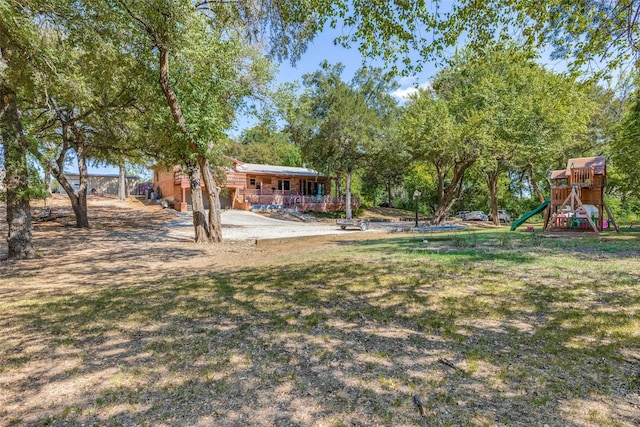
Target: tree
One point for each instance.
(83, 110)
(265, 144)
(385, 167)
(533, 115)
(511, 113)
(21, 55)
(16, 173)
(382, 29)
(336, 124)
(625, 148)
(593, 35)
(214, 70)
(388, 157)
(451, 143)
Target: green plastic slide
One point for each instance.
(523, 218)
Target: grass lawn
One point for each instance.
(484, 328)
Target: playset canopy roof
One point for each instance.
(598, 163)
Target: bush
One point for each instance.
(624, 212)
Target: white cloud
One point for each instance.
(404, 93)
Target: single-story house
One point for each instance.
(254, 186)
(104, 183)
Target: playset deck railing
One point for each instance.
(582, 176)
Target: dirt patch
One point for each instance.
(132, 239)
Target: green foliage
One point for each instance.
(212, 82)
(582, 32)
(37, 189)
(34, 190)
(625, 149)
(625, 211)
(265, 144)
(332, 123)
(536, 117)
(422, 178)
(443, 128)
(388, 159)
(341, 127)
(493, 114)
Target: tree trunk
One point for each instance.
(347, 197)
(492, 182)
(16, 180)
(389, 194)
(534, 184)
(80, 208)
(213, 227)
(47, 183)
(441, 211)
(197, 204)
(78, 203)
(448, 196)
(78, 200)
(122, 182)
(213, 197)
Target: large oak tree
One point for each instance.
(338, 125)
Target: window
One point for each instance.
(284, 185)
(252, 181)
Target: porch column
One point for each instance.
(182, 206)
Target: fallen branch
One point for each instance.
(422, 409)
(451, 365)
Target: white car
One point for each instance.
(503, 215)
(477, 216)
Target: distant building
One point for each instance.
(104, 184)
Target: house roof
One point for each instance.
(275, 170)
(559, 174)
(598, 163)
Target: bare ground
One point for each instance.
(127, 324)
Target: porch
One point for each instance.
(250, 198)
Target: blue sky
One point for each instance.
(323, 48)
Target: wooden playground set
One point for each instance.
(577, 198)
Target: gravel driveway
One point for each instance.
(245, 225)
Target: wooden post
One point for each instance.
(553, 216)
(615, 224)
(547, 217)
(577, 199)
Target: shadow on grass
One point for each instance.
(503, 245)
(337, 342)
